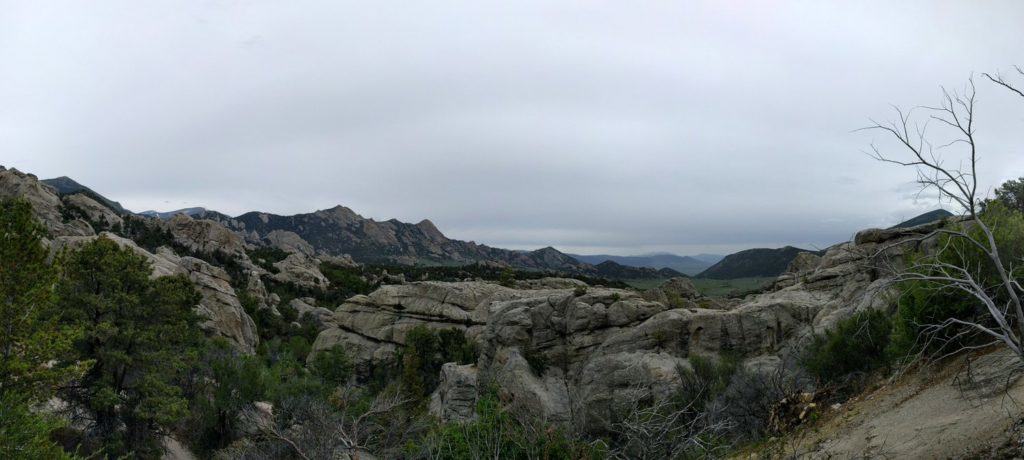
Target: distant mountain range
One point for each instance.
(340, 230)
(170, 214)
(689, 265)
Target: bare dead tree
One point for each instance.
(999, 80)
(317, 429)
(929, 153)
(374, 422)
(652, 426)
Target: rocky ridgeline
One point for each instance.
(206, 239)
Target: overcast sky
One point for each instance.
(612, 127)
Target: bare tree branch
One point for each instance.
(958, 184)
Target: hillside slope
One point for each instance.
(759, 262)
(947, 411)
(65, 185)
(925, 218)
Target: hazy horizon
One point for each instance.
(592, 127)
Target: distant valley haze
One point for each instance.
(595, 128)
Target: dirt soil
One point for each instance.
(968, 408)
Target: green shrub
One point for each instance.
(228, 383)
(425, 351)
(332, 366)
(579, 291)
(924, 305)
(920, 305)
(708, 379)
(856, 345)
(267, 256)
(497, 431)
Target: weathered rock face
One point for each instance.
(223, 314)
(93, 210)
(301, 270)
(44, 200)
(205, 236)
(455, 400)
(374, 325)
(289, 242)
(306, 306)
(676, 292)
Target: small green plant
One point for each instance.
(856, 345)
(496, 430)
(708, 379)
(332, 365)
(426, 350)
(579, 291)
(616, 297)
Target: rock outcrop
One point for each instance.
(306, 306)
(204, 236)
(301, 270)
(44, 200)
(676, 292)
(455, 400)
(93, 210)
(289, 242)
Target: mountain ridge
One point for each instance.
(756, 262)
(683, 264)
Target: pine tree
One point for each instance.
(142, 336)
(32, 342)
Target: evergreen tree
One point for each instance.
(142, 336)
(31, 337)
(32, 343)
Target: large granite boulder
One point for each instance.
(301, 270)
(455, 398)
(677, 292)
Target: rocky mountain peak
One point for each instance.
(431, 230)
(341, 215)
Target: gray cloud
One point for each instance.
(590, 126)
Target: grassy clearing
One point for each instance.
(726, 288)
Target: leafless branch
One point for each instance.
(958, 184)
